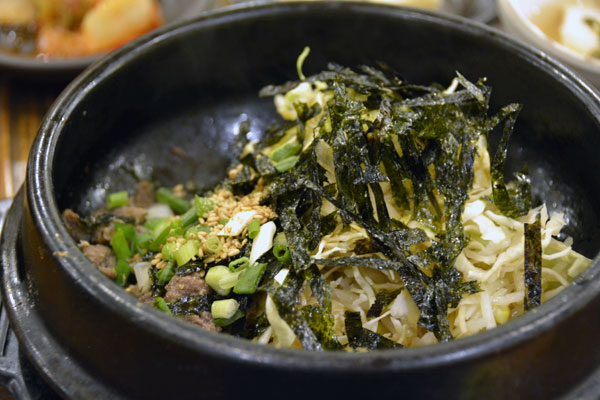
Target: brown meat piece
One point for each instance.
(73, 223)
(137, 213)
(103, 257)
(204, 320)
(144, 194)
(183, 286)
(144, 298)
(104, 233)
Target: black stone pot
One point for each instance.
(190, 86)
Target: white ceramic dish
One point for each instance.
(516, 18)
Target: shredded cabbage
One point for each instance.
(493, 256)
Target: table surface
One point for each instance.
(23, 104)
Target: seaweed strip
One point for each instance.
(359, 337)
(190, 305)
(285, 298)
(533, 264)
(321, 322)
(382, 299)
(437, 134)
(502, 197)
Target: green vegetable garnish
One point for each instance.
(116, 200)
(187, 251)
(189, 217)
(177, 204)
(224, 309)
(228, 321)
(253, 228)
(286, 164)
(221, 279)
(162, 305)
(168, 251)
(239, 264)
(141, 242)
(164, 275)
(213, 245)
(282, 254)
(285, 151)
(120, 245)
(203, 205)
(249, 279)
(123, 270)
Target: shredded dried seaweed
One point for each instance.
(533, 264)
(360, 337)
(512, 200)
(190, 305)
(382, 299)
(422, 143)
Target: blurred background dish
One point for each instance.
(44, 38)
(65, 36)
(479, 10)
(568, 30)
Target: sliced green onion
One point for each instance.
(176, 229)
(280, 240)
(286, 164)
(214, 245)
(224, 309)
(249, 279)
(116, 200)
(123, 270)
(253, 228)
(228, 321)
(161, 228)
(189, 217)
(282, 254)
(164, 230)
(151, 223)
(229, 281)
(204, 228)
(213, 279)
(141, 242)
(162, 305)
(165, 274)
(203, 205)
(187, 251)
(120, 245)
(285, 151)
(239, 264)
(160, 232)
(127, 229)
(177, 204)
(168, 251)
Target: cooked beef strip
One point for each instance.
(204, 320)
(103, 257)
(131, 212)
(189, 285)
(104, 233)
(144, 194)
(76, 228)
(143, 297)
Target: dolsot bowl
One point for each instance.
(191, 85)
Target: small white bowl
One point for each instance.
(516, 19)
